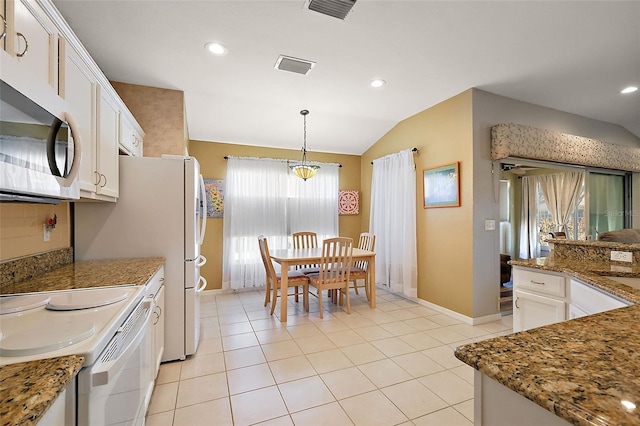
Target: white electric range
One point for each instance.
(109, 326)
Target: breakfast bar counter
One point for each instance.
(586, 370)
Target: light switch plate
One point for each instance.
(489, 225)
(622, 256)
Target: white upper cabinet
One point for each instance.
(79, 87)
(107, 145)
(130, 136)
(42, 58)
(32, 40)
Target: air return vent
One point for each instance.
(336, 8)
(299, 66)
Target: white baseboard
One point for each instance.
(454, 314)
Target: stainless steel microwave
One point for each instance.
(39, 152)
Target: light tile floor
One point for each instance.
(393, 365)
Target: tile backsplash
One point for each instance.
(21, 229)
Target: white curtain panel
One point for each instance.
(263, 198)
(562, 192)
(529, 230)
(313, 205)
(393, 221)
(255, 203)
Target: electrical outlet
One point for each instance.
(489, 225)
(47, 234)
(622, 256)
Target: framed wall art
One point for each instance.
(348, 202)
(215, 197)
(441, 186)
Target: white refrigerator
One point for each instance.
(158, 214)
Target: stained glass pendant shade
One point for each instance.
(304, 170)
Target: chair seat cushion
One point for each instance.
(294, 276)
(311, 270)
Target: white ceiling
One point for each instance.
(573, 56)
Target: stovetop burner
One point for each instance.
(13, 304)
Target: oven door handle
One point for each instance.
(100, 372)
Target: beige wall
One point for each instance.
(211, 155)
(160, 113)
(21, 232)
(442, 134)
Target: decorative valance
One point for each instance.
(515, 140)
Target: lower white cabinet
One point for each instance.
(158, 329)
(539, 298)
(533, 310)
(587, 300)
(63, 409)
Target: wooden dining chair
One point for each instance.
(335, 267)
(302, 240)
(360, 269)
(274, 281)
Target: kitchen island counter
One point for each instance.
(28, 389)
(586, 370)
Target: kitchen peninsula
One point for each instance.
(585, 371)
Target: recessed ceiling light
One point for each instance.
(216, 48)
(629, 89)
(378, 83)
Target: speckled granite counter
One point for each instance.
(581, 369)
(28, 389)
(92, 273)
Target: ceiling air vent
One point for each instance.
(336, 8)
(299, 66)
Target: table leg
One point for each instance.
(284, 288)
(372, 281)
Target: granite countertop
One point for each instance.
(580, 370)
(90, 273)
(28, 389)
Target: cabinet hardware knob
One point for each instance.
(536, 282)
(26, 45)
(105, 181)
(98, 178)
(516, 303)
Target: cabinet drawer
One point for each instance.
(538, 282)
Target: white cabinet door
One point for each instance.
(158, 327)
(33, 40)
(130, 137)
(107, 145)
(78, 87)
(591, 300)
(532, 310)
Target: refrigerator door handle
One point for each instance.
(201, 288)
(201, 261)
(203, 210)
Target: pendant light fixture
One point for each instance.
(303, 170)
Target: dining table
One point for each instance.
(288, 258)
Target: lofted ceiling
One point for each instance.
(574, 56)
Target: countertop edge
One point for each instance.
(26, 402)
(493, 356)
